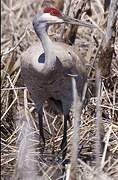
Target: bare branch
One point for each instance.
(107, 49)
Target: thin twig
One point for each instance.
(12, 49)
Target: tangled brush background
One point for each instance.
(21, 146)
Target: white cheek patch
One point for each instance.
(47, 16)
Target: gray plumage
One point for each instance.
(46, 75)
(44, 82)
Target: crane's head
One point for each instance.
(54, 16)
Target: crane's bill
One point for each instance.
(78, 22)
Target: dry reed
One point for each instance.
(16, 36)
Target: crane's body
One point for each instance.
(44, 82)
(46, 66)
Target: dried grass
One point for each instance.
(17, 36)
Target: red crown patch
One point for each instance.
(52, 11)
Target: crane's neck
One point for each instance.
(50, 57)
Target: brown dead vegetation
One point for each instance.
(17, 107)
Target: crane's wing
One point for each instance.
(72, 64)
(70, 59)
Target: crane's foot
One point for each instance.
(42, 147)
(63, 150)
(63, 147)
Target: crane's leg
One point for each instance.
(64, 140)
(41, 128)
(41, 132)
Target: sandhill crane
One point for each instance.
(46, 66)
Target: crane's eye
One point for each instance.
(52, 11)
